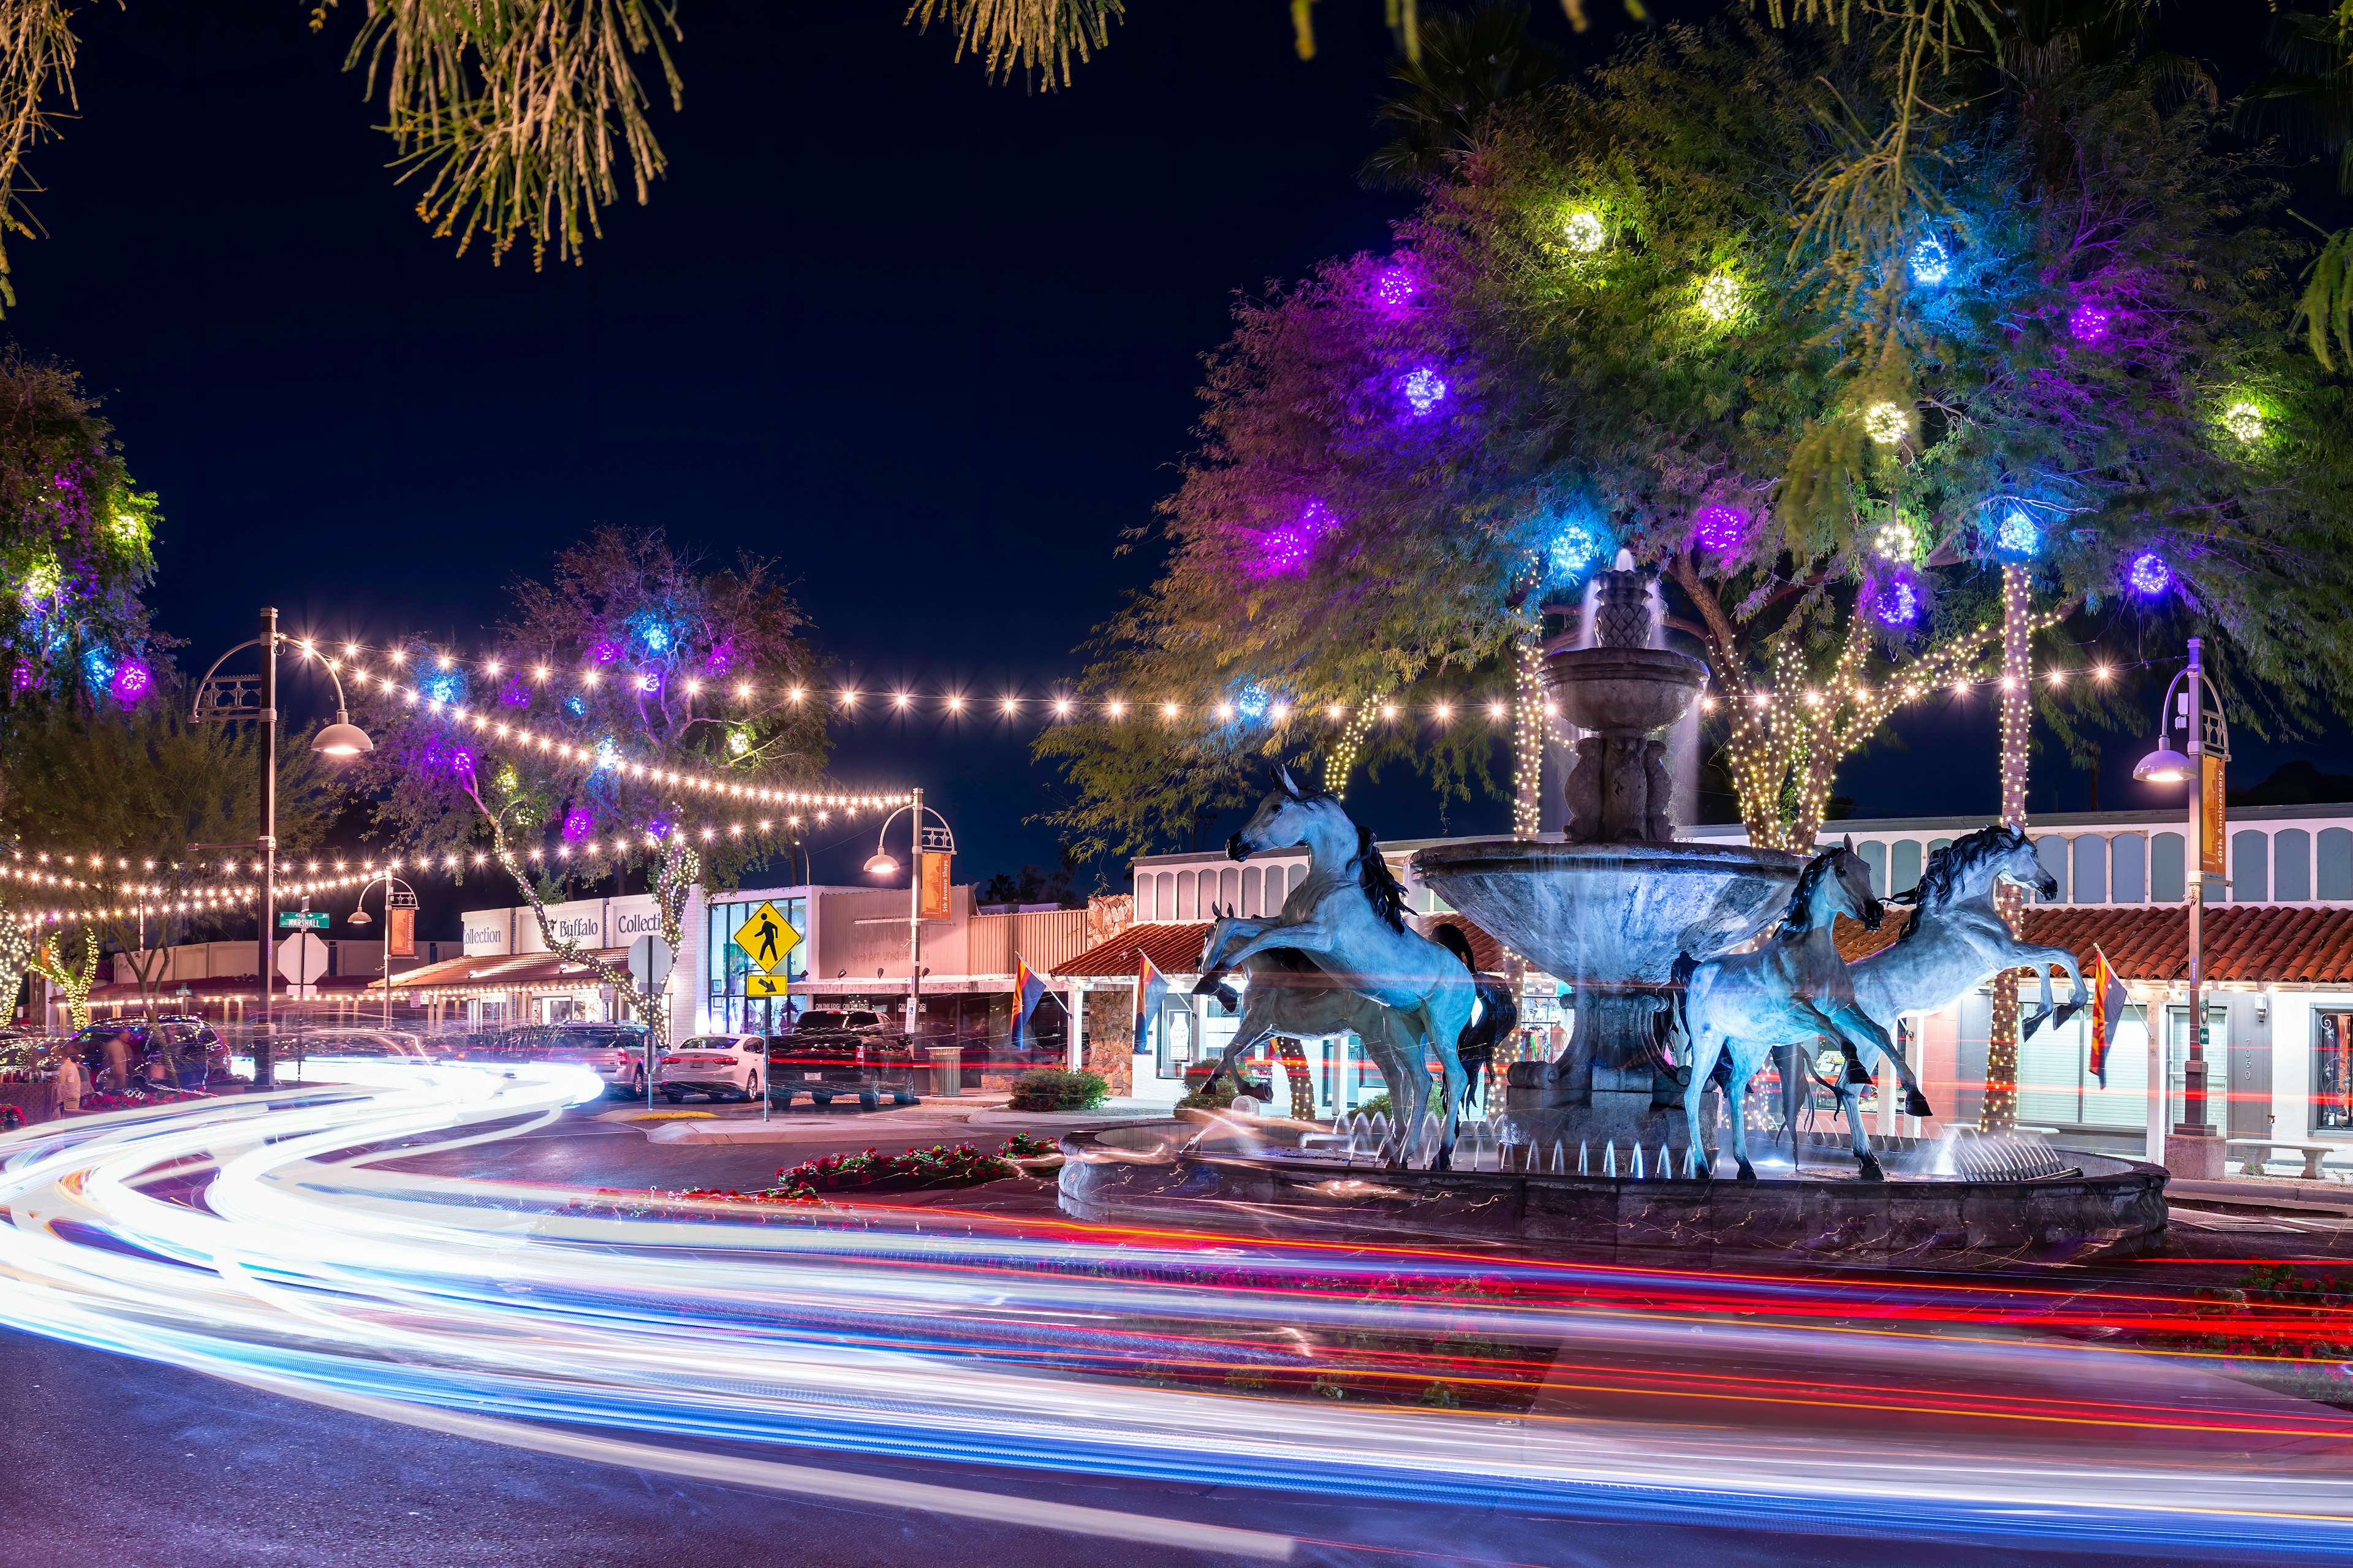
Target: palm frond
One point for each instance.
(36, 56)
(1035, 39)
(519, 114)
(2325, 310)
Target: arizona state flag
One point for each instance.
(1150, 987)
(1029, 990)
(2109, 1001)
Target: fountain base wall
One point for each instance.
(1141, 1175)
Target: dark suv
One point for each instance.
(830, 1053)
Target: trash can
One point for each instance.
(948, 1070)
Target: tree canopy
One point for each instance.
(1624, 323)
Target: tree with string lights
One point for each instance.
(627, 650)
(1610, 331)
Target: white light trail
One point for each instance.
(553, 1319)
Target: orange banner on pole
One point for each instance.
(935, 897)
(400, 931)
(2211, 803)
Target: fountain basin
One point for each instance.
(1623, 689)
(1607, 914)
(1147, 1174)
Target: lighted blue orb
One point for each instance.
(2148, 575)
(609, 753)
(99, 665)
(1932, 264)
(1574, 551)
(447, 687)
(1898, 603)
(1250, 702)
(2016, 534)
(576, 705)
(1425, 389)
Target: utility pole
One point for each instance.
(2194, 1125)
(262, 1052)
(915, 930)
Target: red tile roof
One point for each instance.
(1174, 947)
(2258, 943)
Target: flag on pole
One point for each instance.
(1029, 990)
(2109, 1000)
(1150, 987)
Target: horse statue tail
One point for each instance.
(1499, 1014)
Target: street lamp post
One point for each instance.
(2195, 1148)
(940, 840)
(359, 917)
(225, 698)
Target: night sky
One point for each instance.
(931, 342)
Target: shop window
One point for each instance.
(2332, 1072)
(2091, 867)
(1903, 865)
(2128, 863)
(2052, 852)
(2166, 883)
(1873, 853)
(2249, 867)
(2292, 866)
(2336, 869)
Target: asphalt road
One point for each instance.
(114, 1463)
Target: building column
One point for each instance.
(1074, 1047)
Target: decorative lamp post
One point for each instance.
(929, 841)
(397, 894)
(226, 699)
(2195, 1148)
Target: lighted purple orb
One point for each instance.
(606, 652)
(2089, 324)
(721, 657)
(1394, 288)
(516, 695)
(461, 762)
(578, 824)
(2148, 574)
(1897, 604)
(1283, 550)
(130, 682)
(649, 680)
(1424, 389)
(1720, 528)
(20, 678)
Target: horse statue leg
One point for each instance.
(1850, 1099)
(1705, 1048)
(1745, 1059)
(1448, 1013)
(2043, 957)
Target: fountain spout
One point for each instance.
(1622, 691)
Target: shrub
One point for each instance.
(1052, 1089)
(1379, 1105)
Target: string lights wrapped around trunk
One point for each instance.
(2018, 625)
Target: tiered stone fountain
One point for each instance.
(1607, 908)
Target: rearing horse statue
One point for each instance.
(1348, 917)
(1794, 988)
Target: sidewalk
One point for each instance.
(2277, 1192)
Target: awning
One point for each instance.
(1174, 947)
(2261, 945)
(481, 974)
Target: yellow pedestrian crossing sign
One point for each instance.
(767, 939)
(764, 986)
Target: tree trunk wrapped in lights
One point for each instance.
(2000, 1105)
(74, 983)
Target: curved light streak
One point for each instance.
(262, 1240)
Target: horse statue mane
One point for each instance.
(1795, 922)
(1386, 894)
(1947, 866)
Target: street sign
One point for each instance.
(649, 961)
(302, 920)
(301, 958)
(767, 939)
(764, 986)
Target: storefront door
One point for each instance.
(2251, 1076)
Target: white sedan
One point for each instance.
(720, 1066)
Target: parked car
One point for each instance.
(380, 1044)
(832, 1053)
(720, 1066)
(614, 1052)
(179, 1049)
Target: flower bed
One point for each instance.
(138, 1099)
(871, 1171)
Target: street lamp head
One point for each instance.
(342, 740)
(2163, 765)
(361, 917)
(882, 865)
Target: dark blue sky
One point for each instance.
(931, 342)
